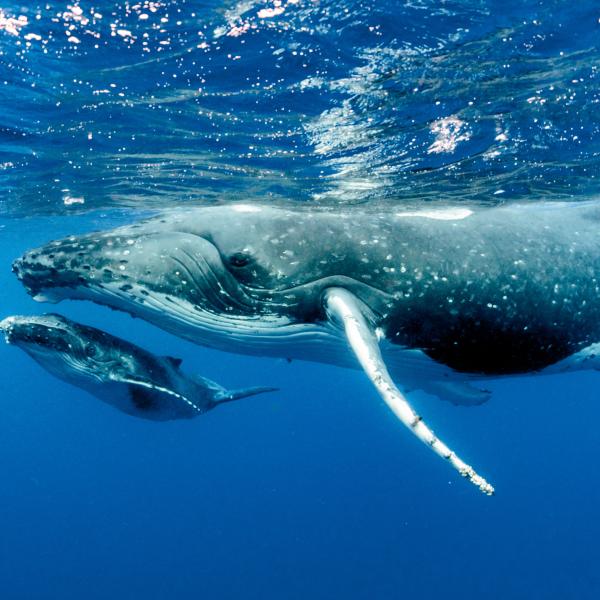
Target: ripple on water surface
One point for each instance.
(166, 102)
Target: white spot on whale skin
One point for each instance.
(246, 208)
(444, 214)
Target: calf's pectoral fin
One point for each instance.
(146, 396)
(343, 307)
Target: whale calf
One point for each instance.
(436, 299)
(121, 374)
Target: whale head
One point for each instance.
(61, 346)
(234, 271)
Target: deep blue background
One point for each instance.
(316, 491)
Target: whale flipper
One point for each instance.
(343, 307)
(147, 397)
(459, 393)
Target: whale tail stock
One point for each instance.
(220, 395)
(230, 395)
(343, 307)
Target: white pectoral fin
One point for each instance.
(144, 394)
(345, 308)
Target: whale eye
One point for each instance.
(240, 259)
(90, 350)
(247, 270)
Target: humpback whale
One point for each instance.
(435, 299)
(121, 374)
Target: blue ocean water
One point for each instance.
(112, 110)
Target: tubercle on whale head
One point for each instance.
(45, 271)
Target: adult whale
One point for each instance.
(450, 295)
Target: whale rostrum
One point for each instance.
(436, 299)
(118, 372)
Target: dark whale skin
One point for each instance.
(501, 290)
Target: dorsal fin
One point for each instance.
(173, 360)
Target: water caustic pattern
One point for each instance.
(168, 102)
